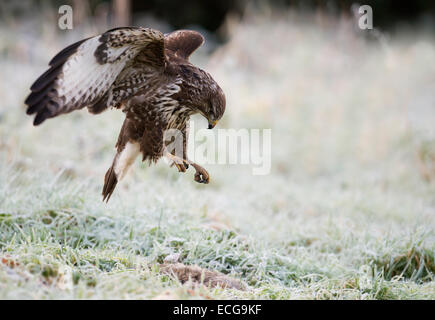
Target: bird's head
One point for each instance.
(205, 95)
(213, 107)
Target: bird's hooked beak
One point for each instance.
(212, 124)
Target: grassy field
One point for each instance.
(348, 211)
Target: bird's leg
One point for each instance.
(201, 175)
(178, 162)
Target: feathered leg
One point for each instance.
(128, 148)
(122, 162)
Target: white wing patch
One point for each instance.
(84, 73)
(83, 79)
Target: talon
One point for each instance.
(198, 177)
(181, 167)
(201, 175)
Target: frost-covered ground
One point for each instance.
(348, 211)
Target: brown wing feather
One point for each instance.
(84, 72)
(183, 42)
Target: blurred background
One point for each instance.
(341, 101)
(352, 114)
(335, 96)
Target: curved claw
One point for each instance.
(180, 166)
(201, 175)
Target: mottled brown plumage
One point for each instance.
(145, 74)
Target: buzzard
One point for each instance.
(144, 73)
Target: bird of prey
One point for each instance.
(144, 73)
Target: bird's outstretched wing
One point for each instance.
(183, 42)
(83, 73)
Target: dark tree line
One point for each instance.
(210, 14)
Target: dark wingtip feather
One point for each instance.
(65, 53)
(43, 93)
(46, 78)
(43, 89)
(41, 117)
(37, 96)
(36, 107)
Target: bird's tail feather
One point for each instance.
(110, 181)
